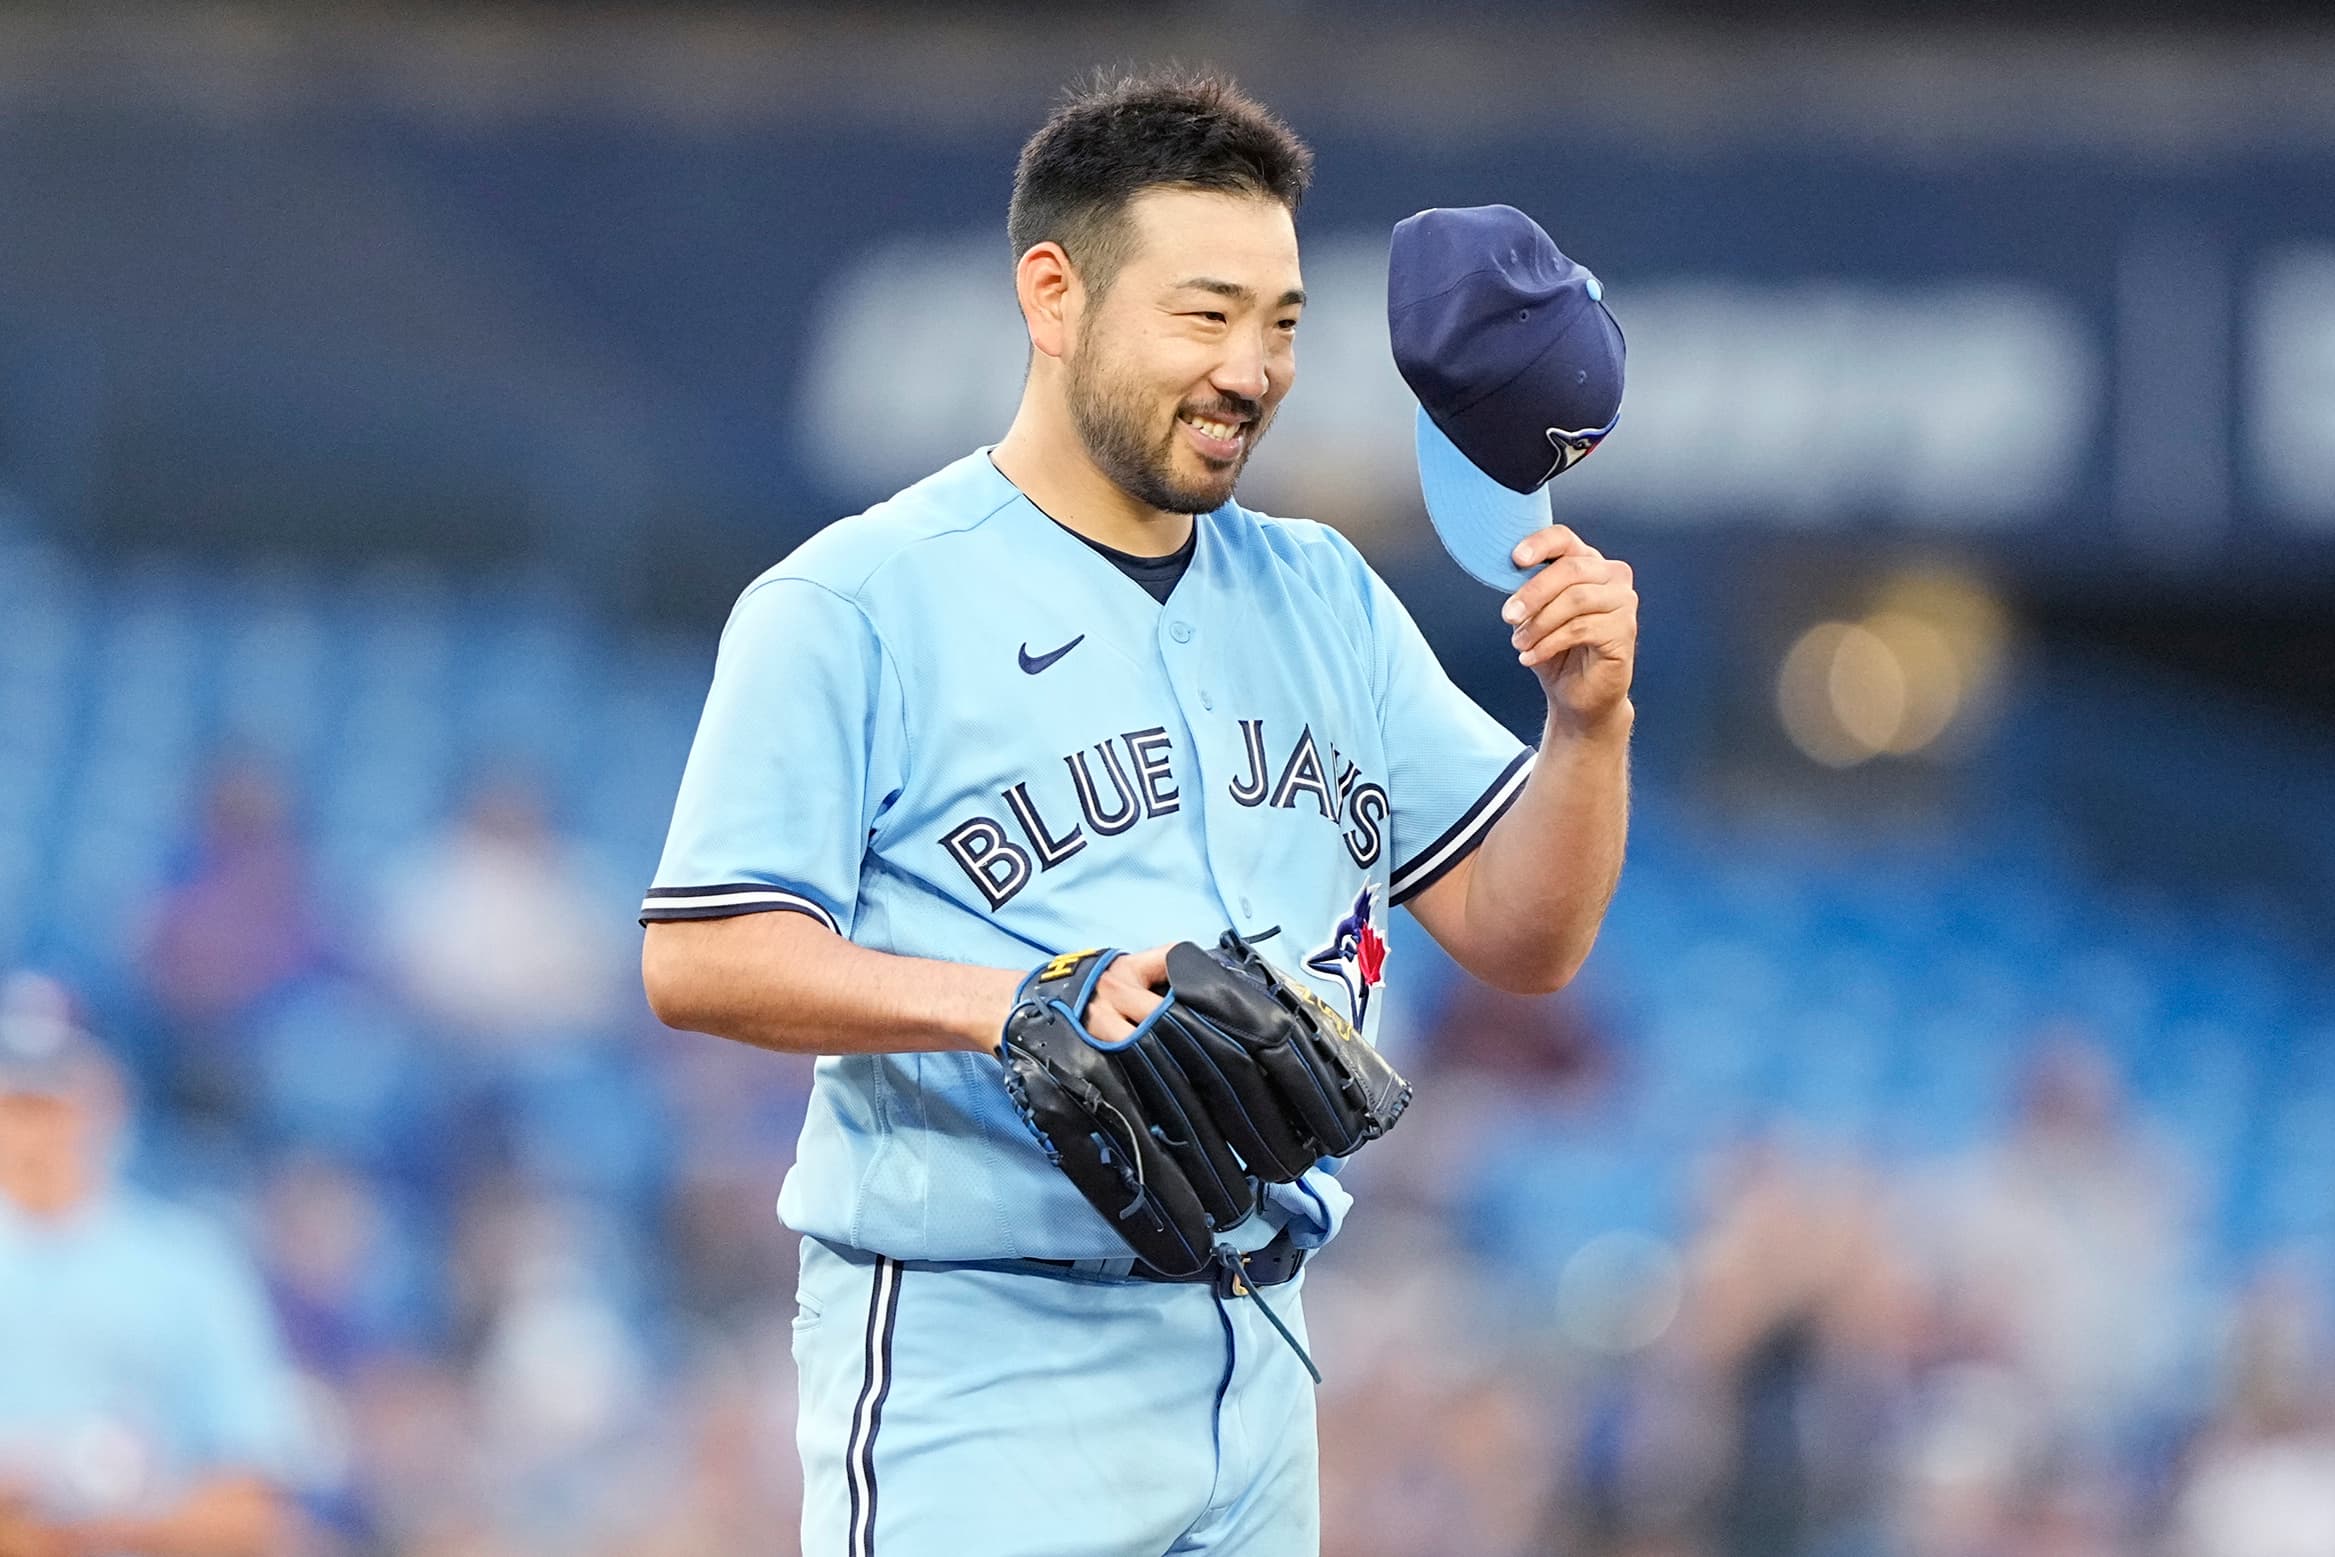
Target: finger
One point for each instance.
(1575, 600)
(1536, 591)
(1116, 1012)
(1137, 1005)
(1547, 545)
(1104, 1021)
(1579, 598)
(1147, 968)
(1611, 633)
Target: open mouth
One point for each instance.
(1216, 438)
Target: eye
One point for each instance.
(1288, 324)
(1211, 315)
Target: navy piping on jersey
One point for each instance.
(664, 904)
(1434, 862)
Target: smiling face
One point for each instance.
(1180, 363)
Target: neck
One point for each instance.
(1042, 454)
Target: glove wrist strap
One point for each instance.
(1069, 978)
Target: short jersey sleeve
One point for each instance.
(1454, 768)
(798, 754)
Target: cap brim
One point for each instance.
(1478, 520)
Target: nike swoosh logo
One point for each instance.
(1034, 664)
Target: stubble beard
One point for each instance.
(1112, 418)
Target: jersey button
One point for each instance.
(1207, 702)
(1180, 631)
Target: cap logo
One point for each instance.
(1573, 447)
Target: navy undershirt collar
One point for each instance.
(1157, 575)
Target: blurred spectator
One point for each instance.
(1973, 1453)
(1550, 1045)
(1493, 1070)
(415, 1451)
(241, 924)
(341, 1283)
(1801, 1322)
(2263, 1479)
(2063, 1248)
(1438, 1433)
(1432, 1459)
(739, 1110)
(738, 1488)
(501, 933)
(145, 1405)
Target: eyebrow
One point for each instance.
(1293, 298)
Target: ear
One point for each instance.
(1051, 296)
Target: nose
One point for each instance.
(1243, 372)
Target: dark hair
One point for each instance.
(1115, 136)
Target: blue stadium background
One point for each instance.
(1938, 1153)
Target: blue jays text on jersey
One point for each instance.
(948, 728)
(1001, 860)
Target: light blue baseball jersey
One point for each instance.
(138, 1355)
(948, 728)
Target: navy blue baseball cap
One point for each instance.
(1517, 367)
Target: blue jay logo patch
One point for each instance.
(1355, 955)
(1573, 447)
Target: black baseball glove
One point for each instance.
(1241, 1075)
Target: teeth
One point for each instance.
(1223, 430)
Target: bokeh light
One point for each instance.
(1620, 1292)
(1900, 679)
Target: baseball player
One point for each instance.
(1066, 695)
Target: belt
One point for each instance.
(1270, 1266)
(1233, 1276)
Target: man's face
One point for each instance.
(48, 1152)
(1177, 370)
